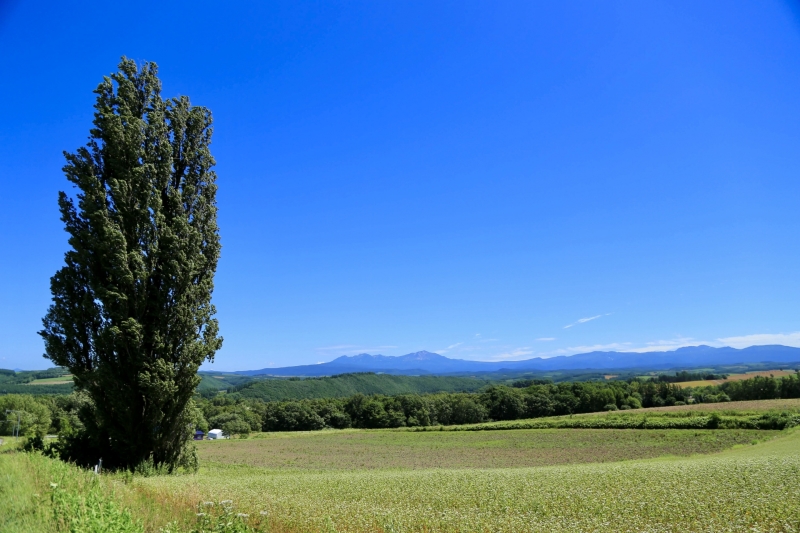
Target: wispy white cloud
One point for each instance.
(351, 349)
(445, 350)
(474, 344)
(514, 354)
(572, 350)
(336, 347)
(760, 339)
(670, 344)
(584, 320)
(667, 345)
(476, 348)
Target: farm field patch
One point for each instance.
(750, 488)
(740, 408)
(735, 377)
(52, 381)
(752, 406)
(400, 481)
(391, 449)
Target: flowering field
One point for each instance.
(749, 488)
(384, 481)
(398, 449)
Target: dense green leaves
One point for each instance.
(763, 388)
(33, 417)
(132, 317)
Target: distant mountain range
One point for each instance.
(432, 363)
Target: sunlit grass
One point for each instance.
(754, 487)
(647, 480)
(397, 449)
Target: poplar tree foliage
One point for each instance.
(131, 315)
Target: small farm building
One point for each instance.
(215, 434)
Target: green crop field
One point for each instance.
(52, 381)
(749, 488)
(382, 481)
(397, 449)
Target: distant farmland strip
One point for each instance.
(64, 380)
(735, 377)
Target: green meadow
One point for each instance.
(515, 480)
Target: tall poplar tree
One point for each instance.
(131, 316)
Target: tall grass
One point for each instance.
(39, 494)
(22, 505)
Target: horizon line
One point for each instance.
(643, 350)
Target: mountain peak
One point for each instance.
(359, 357)
(422, 356)
(424, 362)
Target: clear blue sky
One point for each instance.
(463, 177)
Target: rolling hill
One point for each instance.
(344, 385)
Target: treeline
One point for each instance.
(684, 376)
(40, 415)
(763, 388)
(496, 403)
(239, 416)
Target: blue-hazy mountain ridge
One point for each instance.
(431, 363)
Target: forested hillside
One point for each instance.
(12, 382)
(349, 384)
(270, 389)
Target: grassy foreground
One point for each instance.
(38, 494)
(431, 482)
(750, 488)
